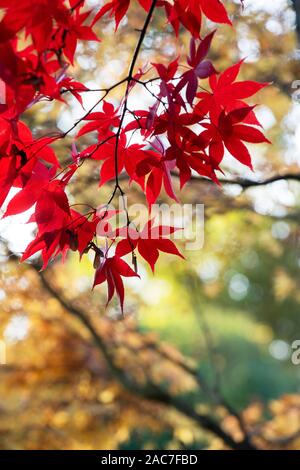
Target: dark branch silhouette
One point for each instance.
(150, 391)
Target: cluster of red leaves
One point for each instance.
(186, 129)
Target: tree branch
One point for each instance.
(129, 80)
(150, 391)
(246, 183)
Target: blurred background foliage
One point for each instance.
(232, 307)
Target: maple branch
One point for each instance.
(62, 135)
(129, 79)
(144, 84)
(141, 39)
(151, 391)
(216, 387)
(246, 183)
(106, 92)
(215, 394)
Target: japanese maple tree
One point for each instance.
(197, 113)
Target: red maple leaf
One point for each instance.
(51, 201)
(116, 8)
(70, 31)
(112, 270)
(75, 231)
(149, 242)
(228, 131)
(74, 87)
(189, 14)
(101, 121)
(200, 68)
(228, 94)
(151, 172)
(50, 244)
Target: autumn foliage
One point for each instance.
(198, 115)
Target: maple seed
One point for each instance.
(73, 241)
(134, 262)
(97, 260)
